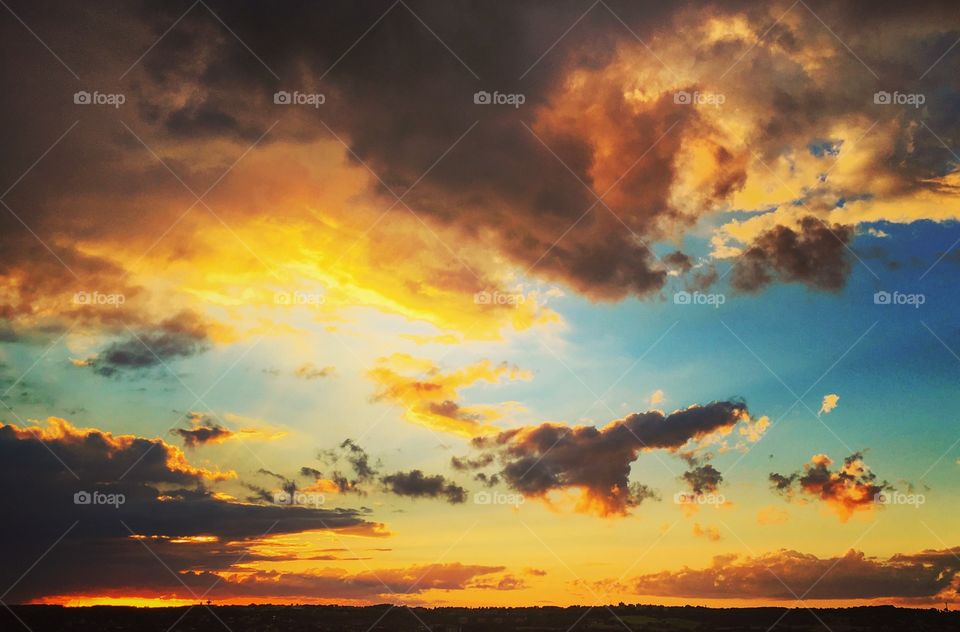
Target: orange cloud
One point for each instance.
(711, 533)
(850, 488)
(430, 396)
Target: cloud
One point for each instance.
(168, 505)
(465, 464)
(179, 337)
(850, 488)
(537, 460)
(323, 585)
(364, 470)
(430, 396)
(656, 397)
(814, 254)
(600, 114)
(309, 371)
(415, 484)
(410, 484)
(703, 479)
(391, 584)
(711, 533)
(829, 403)
(920, 578)
(204, 430)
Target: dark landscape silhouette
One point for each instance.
(384, 618)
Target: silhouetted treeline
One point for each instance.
(386, 618)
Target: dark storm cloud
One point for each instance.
(416, 484)
(538, 459)
(400, 98)
(403, 83)
(378, 91)
(165, 500)
(917, 578)
(176, 338)
(816, 255)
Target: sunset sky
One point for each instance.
(480, 303)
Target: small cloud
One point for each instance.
(204, 429)
(656, 397)
(708, 532)
(876, 232)
(309, 371)
(829, 403)
(415, 484)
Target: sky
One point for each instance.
(462, 303)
